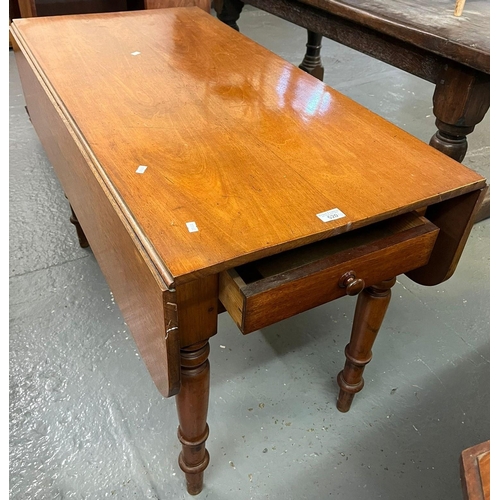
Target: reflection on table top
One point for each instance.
(242, 150)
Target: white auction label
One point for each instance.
(330, 215)
(192, 227)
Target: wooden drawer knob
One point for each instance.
(352, 284)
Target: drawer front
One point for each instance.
(276, 297)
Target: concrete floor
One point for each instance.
(86, 421)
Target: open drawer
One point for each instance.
(263, 292)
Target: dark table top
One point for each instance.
(429, 24)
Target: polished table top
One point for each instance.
(250, 156)
(183, 158)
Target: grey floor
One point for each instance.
(86, 421)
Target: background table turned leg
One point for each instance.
(228, 11)
(82, 239)
(370, 311)
(461, 100)
(312, 60)
(192, 408)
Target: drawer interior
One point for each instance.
(308, 254)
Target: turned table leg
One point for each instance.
(312, 60)
(461, 99)
(192, 409)
(370, 311)
(228, 11)
(82, 239)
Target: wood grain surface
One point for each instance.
(475, 472)
(455, 219)
(27, 8)
(167, 4)
(240, 142)
(255, 303)
(137, 287)
(429, 24)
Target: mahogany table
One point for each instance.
(423, 38)
(475, 472)
(204, 184)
